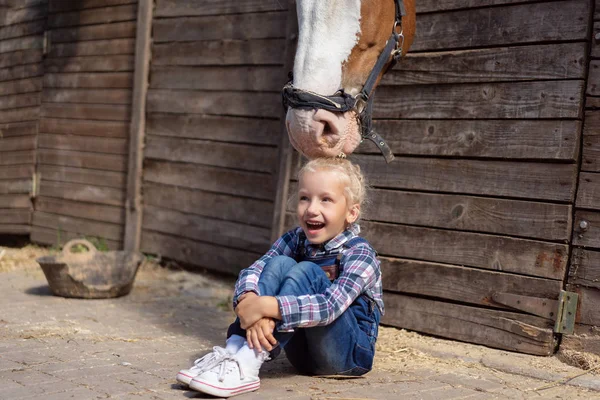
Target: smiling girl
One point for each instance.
(316, 293)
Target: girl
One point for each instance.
(316, 293)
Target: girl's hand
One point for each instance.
(260, 335)
(254, 308)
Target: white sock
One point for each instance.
(234, 343)
(251, 360)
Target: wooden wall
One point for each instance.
(84, 126)
(22, 25)
(212, 127)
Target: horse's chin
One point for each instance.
(321, 133)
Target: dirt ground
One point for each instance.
(397, 349)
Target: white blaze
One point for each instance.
(329, 29)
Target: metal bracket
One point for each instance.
(562, 311)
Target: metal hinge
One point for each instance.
(562, 311)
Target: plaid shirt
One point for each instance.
(360, 274)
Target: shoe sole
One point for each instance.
(208, 388)
(184, 379)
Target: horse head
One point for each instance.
(344, 47)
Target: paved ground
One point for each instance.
(131, 348)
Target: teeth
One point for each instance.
(315, 224)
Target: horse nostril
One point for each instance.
(327, 129)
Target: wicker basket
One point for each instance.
(91, 274)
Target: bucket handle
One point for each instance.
(72, 243)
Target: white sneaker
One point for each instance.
(186, 375)
(227, 378)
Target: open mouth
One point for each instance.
(314, 226)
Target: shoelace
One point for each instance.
(223, 368)
(210, 359)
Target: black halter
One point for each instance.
(342, 102)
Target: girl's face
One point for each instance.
(323, 211)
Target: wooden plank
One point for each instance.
(10, 16)
(228, 155)
(15, 186)
(15, 201)
(17, 172)
(24, 43)
(21, 86)
(555, 61)
(58, 6)
(90, 64)
(585, 268)
(117, 30)
(82, 96)
(250, 184)
(500, 329)
(591, 153)
(514, 139)
(104, 15)
(82, 226)
(175, 8)
(242, 130)
(82, 192)
(9, 229)
(20, 101)
(519, 100)
(81, 175)
(588, 194)
(18, 157)
(255, 78)
(496, 253)
(246, 104)
(95, 212)
(18, 143)
(219, 52)
(19, 115)
(203, 255)
(588, 311)
(457, 283)
(18, 129)
(589, 234)
(209, 230)
(445, 5)
(595, 53)
(593, 87)
(241, 26)
(21, 72)
(83, 127)
(209, 204)
(539, 181)
(89, 80)
(554, 21)
(93, 48)
(23, 29)
(106, 162)
(106, 112)
(22, 3)
(83, 143)
(15, 216)
(55, 237)
(20, 58)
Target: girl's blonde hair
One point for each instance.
(355, 183)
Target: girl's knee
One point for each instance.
(306, 270)
(279, 265)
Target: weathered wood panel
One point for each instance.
(23, 29)
(83, 143)
(246, 104)
(175, 8)
(15, 216)
(255, 78)
(228, 208)
(53, 236)
(554, 21)
(19, 101)
(16, 44)
(15, 186)
(505, 330)
(92, 96)
(81, 175)
(457, 283)
(519, 100)
(18, 157)
(586, 230)
(78, 225)
(96, 212)
(588, 311)
(15, 201)
(514, 139)
(21, 86)
(108, 112)
(250, 184)
(445, 5)
(17, 172)
(585, 268)
(83, 127)
(21, 72)
(547, 61)
(591, 142)
(220, 52)
(58, 6)
(93, 48)
(17, 143)
(588, 194)
(222, 128)
(90, 64)
(593, 87)
(10, 229)
(105, 15)
(82, 193)
(20, 58)
(204, 255)
(204, 229)
(241, 26)
(106, 80)
(10, 16)
(239, 156)
(22, 3)
(107, 162)
(117, 30)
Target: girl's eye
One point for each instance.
(303, 198)
(327, 199)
